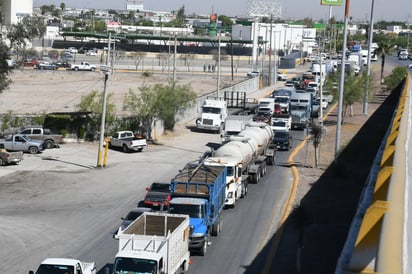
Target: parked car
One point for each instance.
(130, 217)
(62, 64)
(29, 62)
(45, 65)
(409, 66)
(72, 50)
(253, 73)
(157, 194)
(91, 53)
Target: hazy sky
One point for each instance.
(400, 10)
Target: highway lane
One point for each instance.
(249, 225)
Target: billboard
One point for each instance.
(331, 2)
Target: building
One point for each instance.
(12, 11)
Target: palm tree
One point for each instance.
(385, 45)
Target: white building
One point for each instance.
(12, 10)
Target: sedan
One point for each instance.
(130, 217)
(45, 65)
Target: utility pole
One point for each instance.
(218, 67)
(106, 71)
(270, 52)
(174, 62)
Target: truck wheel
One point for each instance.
(263, 170)
(33, 150)
(1, 162)
(203, 250)
(110, 145)
(76, 69)
(49, 144)
(244, 190)
(256, 177)
(215, 229)
(271, 160)
(125, 149)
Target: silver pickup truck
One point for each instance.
(127, 141)
(18, 142)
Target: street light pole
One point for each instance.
(342, 79)
(368, 62)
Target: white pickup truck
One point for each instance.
(127, 141)
(83, 66)
(62, 265)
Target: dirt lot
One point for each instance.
(61, 90)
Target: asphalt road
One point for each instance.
(59, 205)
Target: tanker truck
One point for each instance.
(246, 157)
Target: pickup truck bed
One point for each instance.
(7, 157)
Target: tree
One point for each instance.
(188, 59)
(316, 131)
(173, 100)
(143, 106)
(385, 43)
(4, 68)
(308, 22)
(226, 21)
(396, 77)
(24, 31)
(354, 90)
(93, 102)
(159, 102)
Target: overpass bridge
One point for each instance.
(379, 239)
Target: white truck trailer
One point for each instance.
(155, 242)
(246, 157)
(214, 113)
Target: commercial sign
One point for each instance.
(331, 2)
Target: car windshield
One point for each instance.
(281, 134)
(194, 211)
(55, 269)
(211, 110)
(160, 187)
(133, 266)
(132, 215)
(281, 100)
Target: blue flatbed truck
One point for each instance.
(199, 191)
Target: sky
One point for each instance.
(397, 10)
